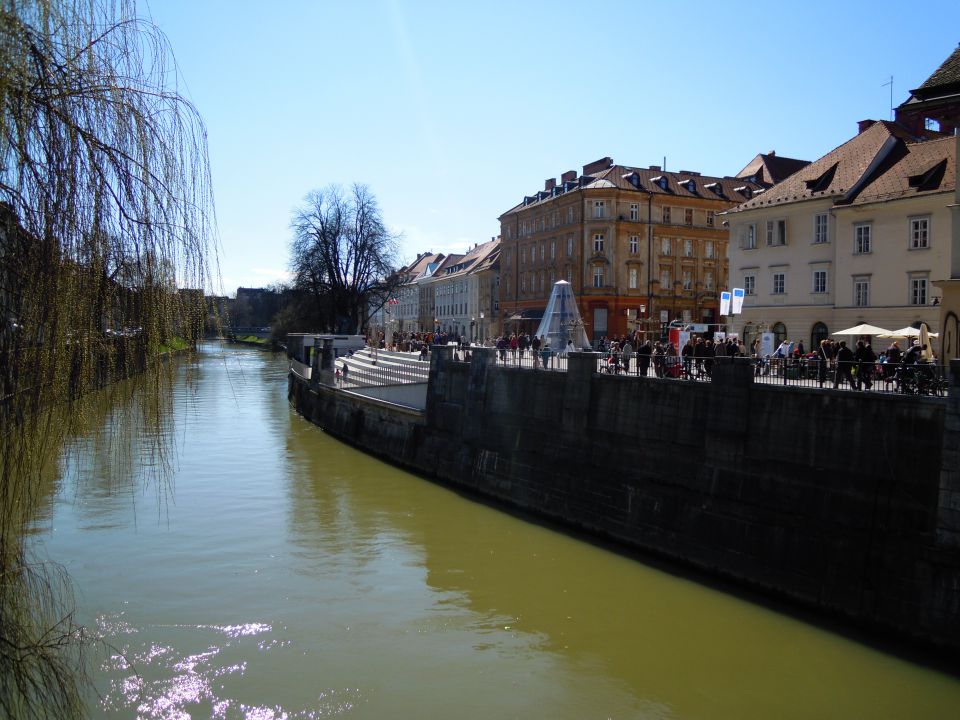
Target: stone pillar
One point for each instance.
(581, 367)
(323, 363)
(948, 509)
(440, 358)
(482, 358)
(728, 411)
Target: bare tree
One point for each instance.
(105, 204)
(342, 255)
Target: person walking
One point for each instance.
(545, 352)
(644, 354)
(866, 359)
(824, 353)
(844, 365)
(627, 355)
(686, 355)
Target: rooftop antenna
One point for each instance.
(890, 83)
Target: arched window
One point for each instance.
(818, 333)
(779, 331)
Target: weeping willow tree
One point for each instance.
(105, 211)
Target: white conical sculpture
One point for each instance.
(561, 322)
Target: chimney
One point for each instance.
(863, 125)
(655, 167)
(597, 165)
(772, 153)
(549, 184)
(569, 176)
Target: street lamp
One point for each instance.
(473, 332)
(482, 338)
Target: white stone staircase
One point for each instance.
(369, 368)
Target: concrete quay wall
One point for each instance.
(845, 502)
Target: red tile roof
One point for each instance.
(913, 169)
(771, 168)
(477, 258)
(839, 172)
(647, 181)
(945, 76)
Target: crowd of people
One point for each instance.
(832, 361)
(829, 362)
(695, 359)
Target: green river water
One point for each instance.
(283, 574)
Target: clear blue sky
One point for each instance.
(452, 111)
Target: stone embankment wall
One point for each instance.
(846, 502)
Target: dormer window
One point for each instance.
(716, 188)
(689, 185)
(931, 179)
(661, 181)
(745, 191)
(822, 181)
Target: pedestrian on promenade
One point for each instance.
(627, 354)
(659, 364)
(346, 369)
(866, 359)
(844, 365)
(643, 359)
(545, 352)
(824, 353)
(686, 355)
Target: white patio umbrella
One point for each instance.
(907, 332)
(862, 329)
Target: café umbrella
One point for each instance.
(862, 329)
(907, 332)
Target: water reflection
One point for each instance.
(669, 645)
(291, 576)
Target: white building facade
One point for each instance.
(860, 235)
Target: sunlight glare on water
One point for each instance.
(286, 575)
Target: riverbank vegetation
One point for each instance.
(105, 215)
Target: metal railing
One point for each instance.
(532, 359)
(911, 379)
(366, 371)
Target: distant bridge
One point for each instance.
(242, 331)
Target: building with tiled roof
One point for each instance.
(464, 291)
(859, 235)
(933, 109)
(639, 246)
(770, 168)
(406, 311)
